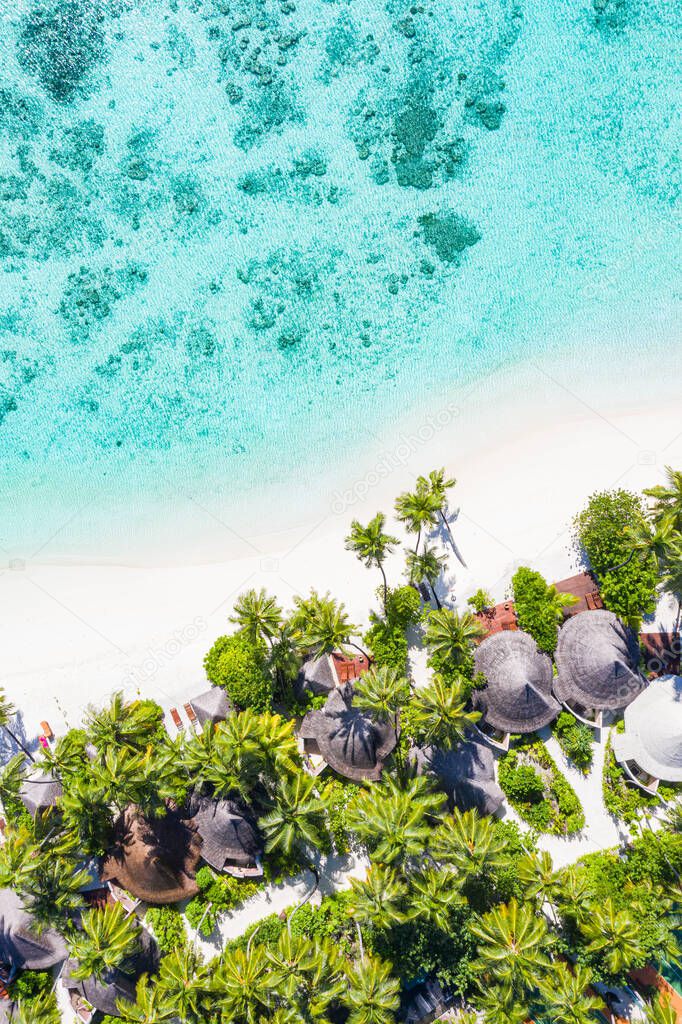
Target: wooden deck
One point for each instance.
(583, 586)
(347, 668)
(649, 978)
(661, 653)
(496, 619)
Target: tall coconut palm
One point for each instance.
(185, 985)
(511, 945)
(440, 715)
(107, 938)
(470, 844)
(372, 545)
(132, 724)
(440, 485)
(395, 821)
(379, 898)
(297, 818)
(671, 580)
(425, 565)
(574, 895)
(418, 509)
(373, 994)
(433, 897)
(321, 625)
(667, 499)
(565, 996)
(541, 882)
(614, 934)
(41, 1010)
(450, 637)
(152, 1005)
(502, 1005)
(7, 713)
(51, 888)
(383, 691)
(304, 976)
(258, 615)
(242, 986)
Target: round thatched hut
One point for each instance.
(517, 697)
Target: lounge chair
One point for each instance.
(128, 902)
(84, 1010)
(177, 721)
(191, 714)
(47, 731)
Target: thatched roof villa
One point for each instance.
(466, 774)
(597, 660)
(22, 945)
(650, 748)
(321, 674)
(352, 742)
(230, 840)
(40, 792)
(117, 982)
(155, 859)
(211, 706)
(518, 695)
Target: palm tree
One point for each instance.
(305, 976)
(51, 888)
(661, 1011)
(440, 485)
(614, 934)
(439, 713)
(433, 897)
(511, 946)
(470, 844)
(450, 637)
(321, 625)
(560, 602)
(565, 996)
(372, 545)
(418, 509)
(539, 879)
(296, 819)
(7, 713)
(378, 899)
(153, 1004)
(133, 724)
(258, 615)
(395, 821)
(107, 939)
(383, 691)
(41, 1010)
(425, 566)
(373, 994)
(184, 985)
(502, 1005)
(667, 504)
(242, 985)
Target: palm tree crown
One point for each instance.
(258, 615)
(372, 545)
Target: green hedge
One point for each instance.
(622, 799)
(559, 810)
(238, 665)
(168, 928)
(534, 608)
(575, 739)
(217, 895)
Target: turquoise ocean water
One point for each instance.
(240, 236)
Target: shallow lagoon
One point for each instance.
(239, 238)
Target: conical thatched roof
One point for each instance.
(21, 944)
(40, 792)
(211, 706)
(653, 730)
(465, 774)
(518, 696)
(317, 675)
(118, 982)
(352, 742)
(154, 858)
(228, 832)
(597, 660)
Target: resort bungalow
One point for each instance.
(322, 674)
(39, 793)
(351, 741)
(466, 774)
(212, 706)
(155, 859)
(650, 747)
(230, 840)
(597, 660)
(23, 946)
(517, 697)
(115, 983)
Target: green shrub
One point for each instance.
(556, 808)
(337, 796)
(522, 782)
(575, 739)
(621, 799)
(388, 646)
(480, 601)
(601, 530)
(238, 665)
(29, 985)
(167, 925)
(536, 608)
(403, 607)
(220, 893)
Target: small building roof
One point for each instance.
(351, 741)
(211, 706)
(321, 674)
(228, 832)
(40, 792)
(597, 660)
(154, 858)
(653, 730)
(518, 695)
(466, 774)
(117, 982)
(21, 943)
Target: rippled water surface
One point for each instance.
(238, 234)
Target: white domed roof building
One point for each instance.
(650, 747)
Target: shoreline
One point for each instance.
(72, 634)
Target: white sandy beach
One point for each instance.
(71, 633)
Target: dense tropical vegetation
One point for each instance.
(448, 894)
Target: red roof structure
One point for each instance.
(494, 620)
(348, 668)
